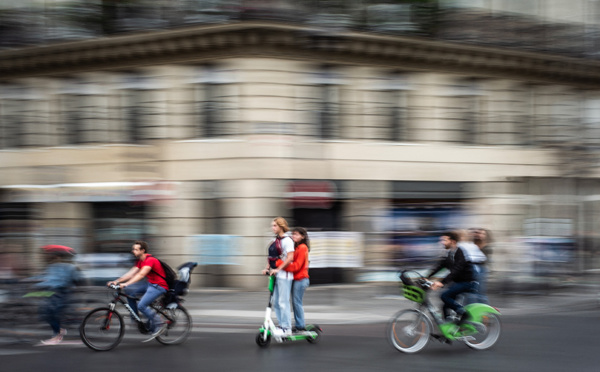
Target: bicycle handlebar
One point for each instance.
(425, 282)
(419, 280)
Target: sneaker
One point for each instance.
(53, 341)
(463, 319)
(62, 332)
(282, 332)
(278, 332)
(157, 332)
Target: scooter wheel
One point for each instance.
(260, 340)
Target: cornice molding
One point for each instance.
(204, 43)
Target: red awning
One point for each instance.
(311, 194)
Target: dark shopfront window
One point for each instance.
(319, 219)
(117, 225)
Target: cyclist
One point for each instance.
(463, 276)
(149, 268)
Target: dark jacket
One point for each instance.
(460, 269)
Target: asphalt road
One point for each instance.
(559, 341)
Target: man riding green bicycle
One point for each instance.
(463, 263)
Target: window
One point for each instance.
(83, 113)
(11, 122)
(527, 117)
(463, 119)
(325, 103)
(142, 109)
(22, 122)
(510, 115)
(115, 225)
(386, 110)
(213, 103)
(560, 111)
(71, 118)
(590, 132)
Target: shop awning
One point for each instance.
(311, 194)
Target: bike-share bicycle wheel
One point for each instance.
(409, 330)
(102, 329)
(487, 336)
(179, 326)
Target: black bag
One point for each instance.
(170, 275)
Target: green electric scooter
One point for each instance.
(312, 333)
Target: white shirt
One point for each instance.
(287, 246)
(472, 252)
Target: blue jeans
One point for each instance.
(481, 295)
(449, 296)
(281, 302)
(150, 293)
(298, 289)
(52, 310)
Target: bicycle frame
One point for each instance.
(118, 298)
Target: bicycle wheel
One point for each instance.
(487, 335)
(179, 326)
(409, 330)
(102, 329)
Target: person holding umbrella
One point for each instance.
(57, 280)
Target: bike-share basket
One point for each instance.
(411, 290)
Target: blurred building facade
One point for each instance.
(374, 124)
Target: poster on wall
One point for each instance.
(335, 249)
(216, 249)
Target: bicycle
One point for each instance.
(103, 328)
(409, 330)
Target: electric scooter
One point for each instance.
(312, 332)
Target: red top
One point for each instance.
(300, 264)
(156, 269)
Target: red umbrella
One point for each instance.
(58, 249)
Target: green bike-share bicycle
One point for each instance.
(312, 333)
(410, 329)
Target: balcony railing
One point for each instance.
(82, 19)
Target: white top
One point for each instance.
(472, 252)
(287, 246)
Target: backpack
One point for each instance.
(170, 275)
(275, 250)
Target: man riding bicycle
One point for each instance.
(463, 275)
(150, 268)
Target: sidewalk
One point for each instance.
(214, 308)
